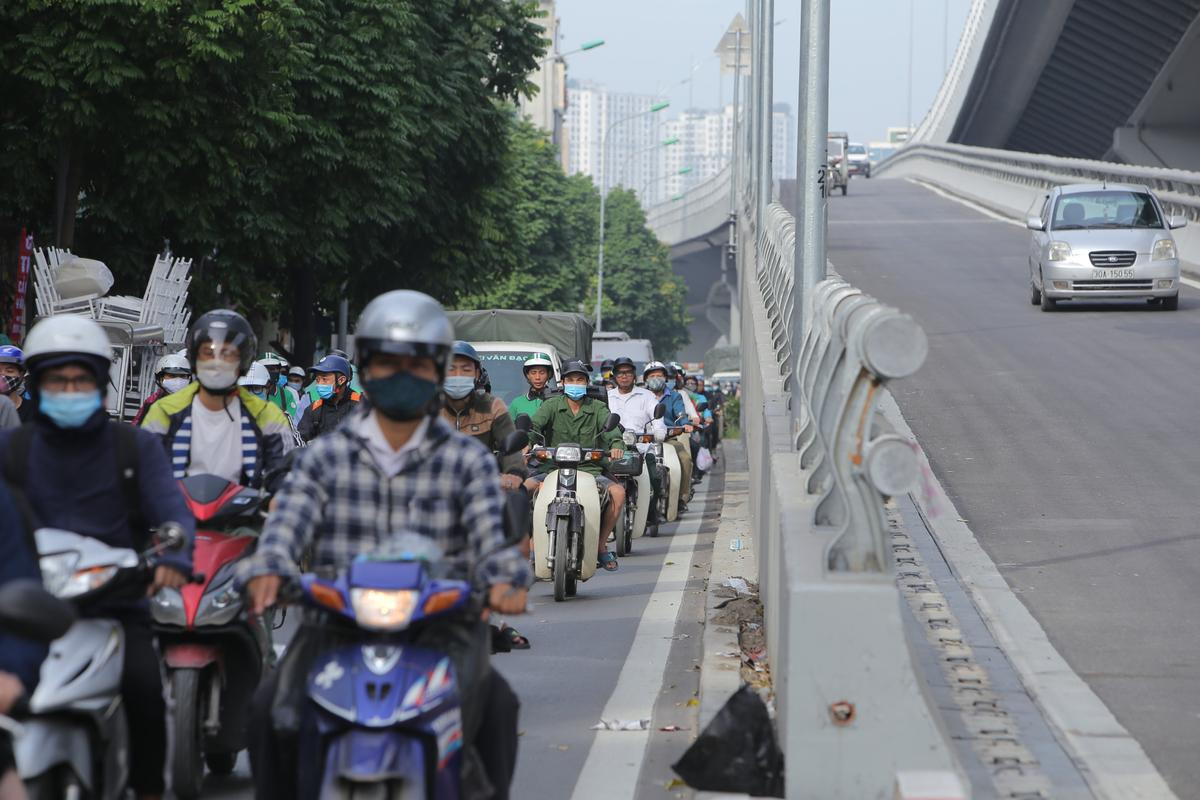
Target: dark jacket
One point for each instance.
(20, 657)
(324, 416)
(72, 483)
(486, 419)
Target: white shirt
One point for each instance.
(217, 440)
(637, 411)
(389, 460)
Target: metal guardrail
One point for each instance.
(1179, 189)
(851, 711)
(701, 210)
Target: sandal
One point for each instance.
(507, 638)
(608, 561)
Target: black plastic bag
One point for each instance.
(737, 752)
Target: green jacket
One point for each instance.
(524, 404)
(555, 422)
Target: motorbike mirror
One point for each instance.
(518, 517)
(514, 443)
(660, 411)
(524, 423)
(171, 536)
(612, 423)
(27, 610)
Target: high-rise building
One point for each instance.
(706, 146)
(633, 157)
(547, 108)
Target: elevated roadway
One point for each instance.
(1067, 442)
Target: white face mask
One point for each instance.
(173, 385)
(216, 376)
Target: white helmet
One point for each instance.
(257, 375)
(173, 364)
(66, 338)
(653, 365)
(539, 360)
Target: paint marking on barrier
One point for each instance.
(1110, 758)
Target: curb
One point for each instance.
(720, 675)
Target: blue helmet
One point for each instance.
(464, 349)
(11, 354)
(333, 364)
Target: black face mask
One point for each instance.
(12, 384)
(402, 397)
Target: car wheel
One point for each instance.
(1170, 303)
(1048, 303)
(1035, 295)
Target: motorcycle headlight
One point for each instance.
(568, 454)
(166, 607)
(629, 437)
(1058, 251)
(383, 609)
(1164, 250)
(57, 570)
(219, 605)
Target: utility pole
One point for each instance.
(733, 43)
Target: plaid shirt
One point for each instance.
(337, 499)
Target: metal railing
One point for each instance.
(701, 210)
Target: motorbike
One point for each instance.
(214, 654)
(388, 721)
(672, 476)
(631, 472)
(76, 740)
(569, 502)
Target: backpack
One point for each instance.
(16, 468)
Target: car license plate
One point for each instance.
(1109, 274)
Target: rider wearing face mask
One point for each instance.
(471, 410)
(72, 468)
(12, 381)
(213, 426)
(335, 398)
(172, 373)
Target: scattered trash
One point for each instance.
(729, 654)
(678, 636)
(739, 585)
(563, 747)
(622, 725)
(675, 783)
(737, 752)
(670, 563)
(735, 544)
(693, 702)
(672, 728)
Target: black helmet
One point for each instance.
(624, 361)
(222, 326)
(575, 366)
(672, 371)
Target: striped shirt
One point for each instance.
(339, 500)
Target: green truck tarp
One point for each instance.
(570, 334)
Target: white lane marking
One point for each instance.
(1189, 282)
(963, 201)
(1110, 759)
(615, 759)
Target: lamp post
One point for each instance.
(674, 140)
(681, 171)
(654, 109)
(592, 45)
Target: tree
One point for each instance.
(642, 296)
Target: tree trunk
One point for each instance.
(304, 299)
(68, 181)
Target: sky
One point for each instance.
(653, 46)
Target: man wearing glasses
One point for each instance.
(213, 426)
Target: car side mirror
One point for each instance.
(1034, 223)
(515, 442)
(524, 423)
(660, 411)
(27, 610)
(612, 423)
(1177, 221)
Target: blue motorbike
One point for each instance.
(387, 718)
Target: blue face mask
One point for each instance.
(69, 409)
(575, 391)
(324, 391)
(457, 387)
(259, 393)
(281, 381)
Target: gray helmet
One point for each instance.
(404, 322)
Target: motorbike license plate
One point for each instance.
(1109, 274)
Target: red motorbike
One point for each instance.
(215, 654)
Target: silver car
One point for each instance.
(1103, 241)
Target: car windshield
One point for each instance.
(857, 150)
(506, 372)
(1105, 209)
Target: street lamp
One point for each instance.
(654, 109)
(592, 45)
(674, 140)
(681, 171)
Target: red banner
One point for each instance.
(16, 321)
